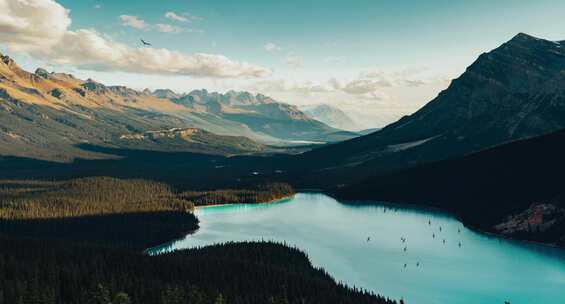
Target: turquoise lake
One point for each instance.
(469, 267)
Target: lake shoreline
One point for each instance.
(183, 235)
(316, 224)
(447, 212)
(231, 204)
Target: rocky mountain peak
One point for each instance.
(165, 93)
(124, 91)
(523, 64)
(94, 86)
(512, 92)
(7, 60)
(41, 73)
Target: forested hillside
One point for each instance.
(43, 272)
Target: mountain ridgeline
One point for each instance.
(48, 115)
(515, 91)
(260, 113)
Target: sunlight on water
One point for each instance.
(468, 268)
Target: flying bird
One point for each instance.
(145, 42)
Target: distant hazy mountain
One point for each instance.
(515, 91)
(260, 113)
(164, 93)
(331, 116)
(368, 131)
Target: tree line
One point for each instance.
(127, 212)
(261, 194)
(81, 241)
(55, 272)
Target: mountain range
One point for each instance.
(512, 92)
(46, 115)
(488, 148)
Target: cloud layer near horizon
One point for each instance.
(41, 29)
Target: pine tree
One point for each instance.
(220, 299)
(121, 298)
(101, 295)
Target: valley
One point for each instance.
(47, 115)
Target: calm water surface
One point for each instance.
(482, 270)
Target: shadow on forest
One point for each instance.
(138, 230)
(182, 169)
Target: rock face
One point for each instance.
(42, 73)
(331, 116)
(164, 93)
(513, 92)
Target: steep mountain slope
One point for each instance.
(331, 116)
(515, 91)
(46, 115)
(515, 189)
(164, 93)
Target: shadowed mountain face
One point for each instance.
(46, 115)
(515, 189)
(515, 91)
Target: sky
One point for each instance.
(376, 60)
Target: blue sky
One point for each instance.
(382, 58)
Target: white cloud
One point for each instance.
(175, 17)
(185, 17)
(410, 77)
(133, 21)
(364, 86)
(306, 88)
(167, 28)
(138, 23)
(294, 60)
(32, 24)
(41, 28)
(271, 47)
(98, 6)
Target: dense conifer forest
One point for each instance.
(81, 241)
(262, 194)
(132, 213)
(129, 212)
(61, 272)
